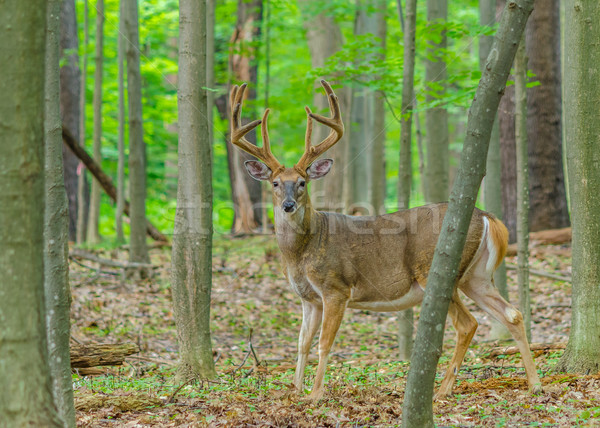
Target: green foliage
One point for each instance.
(291, 77)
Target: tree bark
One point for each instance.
(56, 230)
(93, 230)
(70, 106)
(582, 137)
(119, 210)
(521, 137)
(436, 118)
(406, 317)
(547, 189)
(25, 379)
(325, 38)
(244, 67)
(548, 199)
(378, 185)
(138, 250)
(417, 410)
(192, 236)
(359, 162)
(84, 356)
(81, 230)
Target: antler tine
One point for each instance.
(309, 125)
(311, 153)
(238, 131)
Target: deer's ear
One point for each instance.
(319, 168)
(258, 170)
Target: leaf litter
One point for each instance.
(253, 305)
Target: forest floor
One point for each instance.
(252, 304)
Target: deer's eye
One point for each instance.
(302, 183)
(275, 184)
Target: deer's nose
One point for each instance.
(288, 206)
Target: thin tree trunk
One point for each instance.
(264, 184)
(406, 317)
(81, 219)
(121, 138)
(56, 230)
(70, 108)
(138, 250)
(377, 190)
(582, 137)
(24, 372)
(547, 184)
(192, 236)
(244, 67)
(210, 67)
(361, 126)
(492, 193)
(521, 138)
(436, 119)
(417, 410)
(93, 231)
(325, 38)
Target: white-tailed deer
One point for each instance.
(334, 261)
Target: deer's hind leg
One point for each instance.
(311, 320)
(465, 325)
(486, 296)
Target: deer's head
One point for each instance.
(288, 184)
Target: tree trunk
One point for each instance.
(359, 162)
(70, 105)
(492, 193)
(244, 67)
(547, 189)
(436, 119)
(417, 410)
(547, 184)
(521, 137)
(192, 236)
(210, 66)
(324, 39)
(81, 230)
(138, 250)
(93, 231)
(24, 372)
(121, 138)
(406, 317)
(582, 137)
(56, 230)
(378, 186)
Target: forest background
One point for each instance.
(291, 79)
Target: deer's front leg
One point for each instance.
(333, 312)
(311, 320)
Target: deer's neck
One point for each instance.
(296, 231)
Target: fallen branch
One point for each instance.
(542, 273)
(104, 180)
(511, 350)
(75, 252)
(544, 237)
(84, 356)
